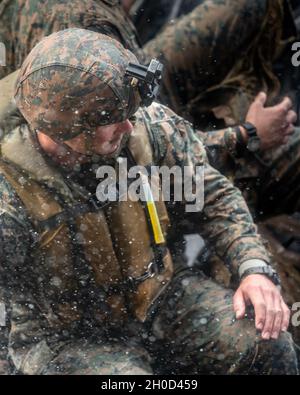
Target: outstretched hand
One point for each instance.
(274, 124)
(271, 313)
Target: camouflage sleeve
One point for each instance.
(200, 48)
(225, 219)
(25, 22)
(223, 149)
(15, 230)
(14, 244)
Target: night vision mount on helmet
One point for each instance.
(147, 79)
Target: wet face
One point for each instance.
(104, 140)
(75, 136)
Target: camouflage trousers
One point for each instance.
(219, 56)
(192, 330)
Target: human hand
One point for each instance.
(271, 313)
(274, 124)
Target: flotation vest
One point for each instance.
(79, 246)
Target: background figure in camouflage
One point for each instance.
(192, 327)
(216, 60)
(219, 55)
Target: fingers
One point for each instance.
(288, 131)
(285, 106)
(261, 99)
(285, 140)
(288, 128)
(239, 305)
(278, 318)
(270, 315)
(291, 117)
(257, 299)
(286, 316)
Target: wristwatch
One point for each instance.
(266, 270)
(253, 144)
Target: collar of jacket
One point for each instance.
(19, 148)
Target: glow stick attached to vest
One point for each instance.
(153, 216)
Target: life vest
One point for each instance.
(113, 244)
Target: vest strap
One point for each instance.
(131, 283)
(92, 205)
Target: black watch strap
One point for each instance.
(250, 129)
(240, 142)
(266, 270)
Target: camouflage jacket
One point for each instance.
(225, 221)
(26, 22)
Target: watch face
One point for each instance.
(253, 144)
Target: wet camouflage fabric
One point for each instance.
(33, 351)
(26, 22)
(273, 174)
(197, 319)
(177, 144)
(216, 63)
(35, 346)
(200, 50)
(268, 180)
(150, 18)
(208, 340)
(53, 78)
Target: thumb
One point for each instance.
(239, 305)
(261, 99)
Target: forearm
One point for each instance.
(228, 224)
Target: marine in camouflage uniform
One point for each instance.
(218, 55)
(270, 185)
(191, 327)
(31, 20)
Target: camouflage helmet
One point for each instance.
(74, 80)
